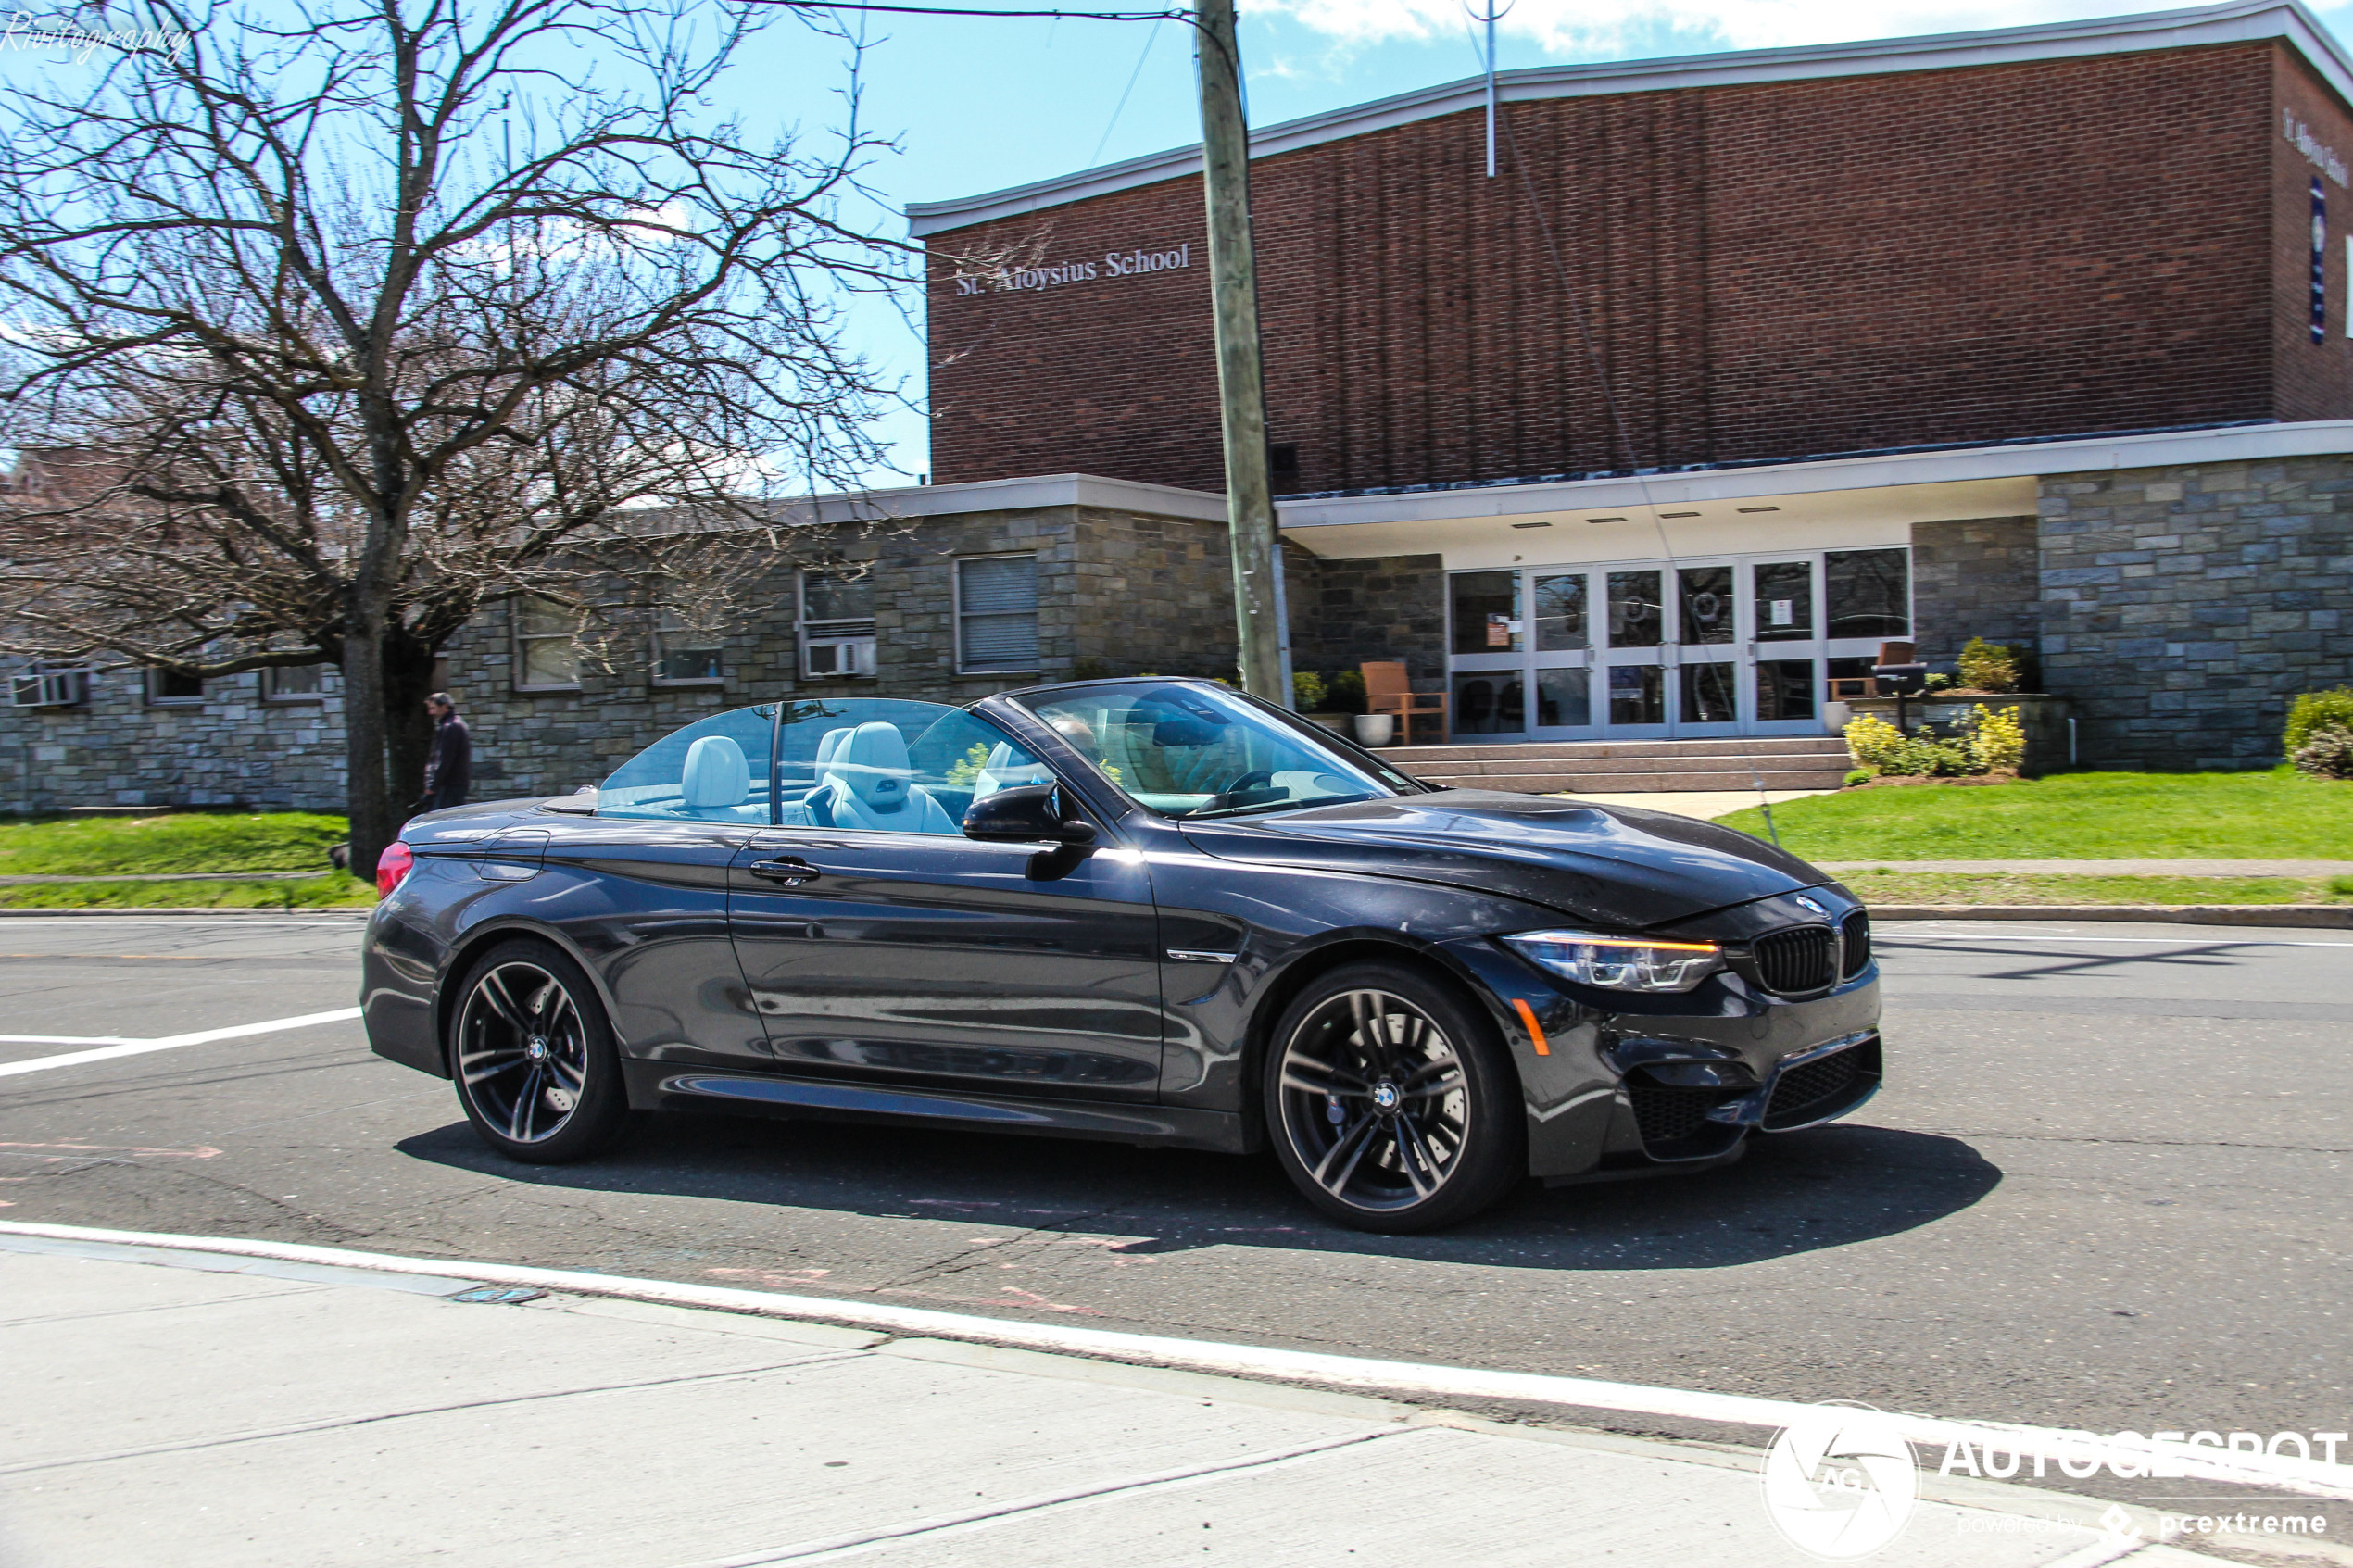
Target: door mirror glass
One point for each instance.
(1025, 814)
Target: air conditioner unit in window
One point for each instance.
(49, 686)
(839, 656)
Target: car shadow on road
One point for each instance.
(1796, 1193)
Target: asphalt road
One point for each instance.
(2106, 1187)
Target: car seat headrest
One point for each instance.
(716, 774)
(872, 764)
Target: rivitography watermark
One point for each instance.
(78, 40)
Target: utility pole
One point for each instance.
(1242, 387)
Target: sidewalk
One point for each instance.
(287, 1413)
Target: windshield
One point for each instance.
(1201, 751)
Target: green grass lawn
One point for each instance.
(1881, 888)
(2271, 816)
(274, 841)
(331, 891)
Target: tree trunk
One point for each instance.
(408, 728)
(373, 823)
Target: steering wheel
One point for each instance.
(1252, 779)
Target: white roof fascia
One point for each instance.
(2239, 22)
(1003, 495)
(2239, 445)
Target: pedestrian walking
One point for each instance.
(449, 766)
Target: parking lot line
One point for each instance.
(110, 1046)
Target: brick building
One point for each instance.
(1745, 364)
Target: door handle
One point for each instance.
(785, 869)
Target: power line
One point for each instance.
(1133, 77)
(963, 11)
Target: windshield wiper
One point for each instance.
(1282, 805)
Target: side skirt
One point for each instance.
(655, 1085)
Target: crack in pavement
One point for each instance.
(339, 1423)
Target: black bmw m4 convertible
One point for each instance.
(1152, 911)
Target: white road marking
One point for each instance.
(112, 1046)
(2313, 1477)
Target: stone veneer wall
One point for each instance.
(1979, 578)
(1118, 593)
(2182, 607)
(1375, 609)
(117, 749)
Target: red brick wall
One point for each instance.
(1764, 271)
(2310, 381)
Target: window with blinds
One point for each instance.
(546, 655)
(996, 614)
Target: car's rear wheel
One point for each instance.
(533, 1056)
(1394, 1107)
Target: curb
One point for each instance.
(326, 912)
(2337, 917)
(33, 879)
(1355, 1374)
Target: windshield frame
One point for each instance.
(1341, 750)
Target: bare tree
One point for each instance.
(346, 327)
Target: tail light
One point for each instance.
(391, 865)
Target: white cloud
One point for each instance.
(1622, 29)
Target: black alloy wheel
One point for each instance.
(533, 1057)
(1393, 1105)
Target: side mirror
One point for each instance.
(1025, 814)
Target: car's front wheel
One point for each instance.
(1393, 1104)
(533, 1057)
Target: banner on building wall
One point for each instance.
(2320, 264)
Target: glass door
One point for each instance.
(1561, 678)
(1785, 645)
(1632, 674)
(1487, 670)
(1631, 650)
(1707, 654)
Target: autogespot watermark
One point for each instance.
(1843, 1482)
(66, 36)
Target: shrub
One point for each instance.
(1307, 691)
(1858, 776)
(1872, 741)
(1989, 667)
(1885, 750)
(1923, 757)
(1936, 681)
(2327, 753)
(1997, 740)
(2318, 710)
(1344, 692)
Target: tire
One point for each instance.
(532, 1057)
(1423, 1129)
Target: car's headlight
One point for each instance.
(1620, 963)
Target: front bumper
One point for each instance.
(1628, 1083)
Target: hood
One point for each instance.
(1615, 866)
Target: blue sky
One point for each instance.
(980, 104)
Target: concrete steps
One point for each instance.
(1629, 767)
